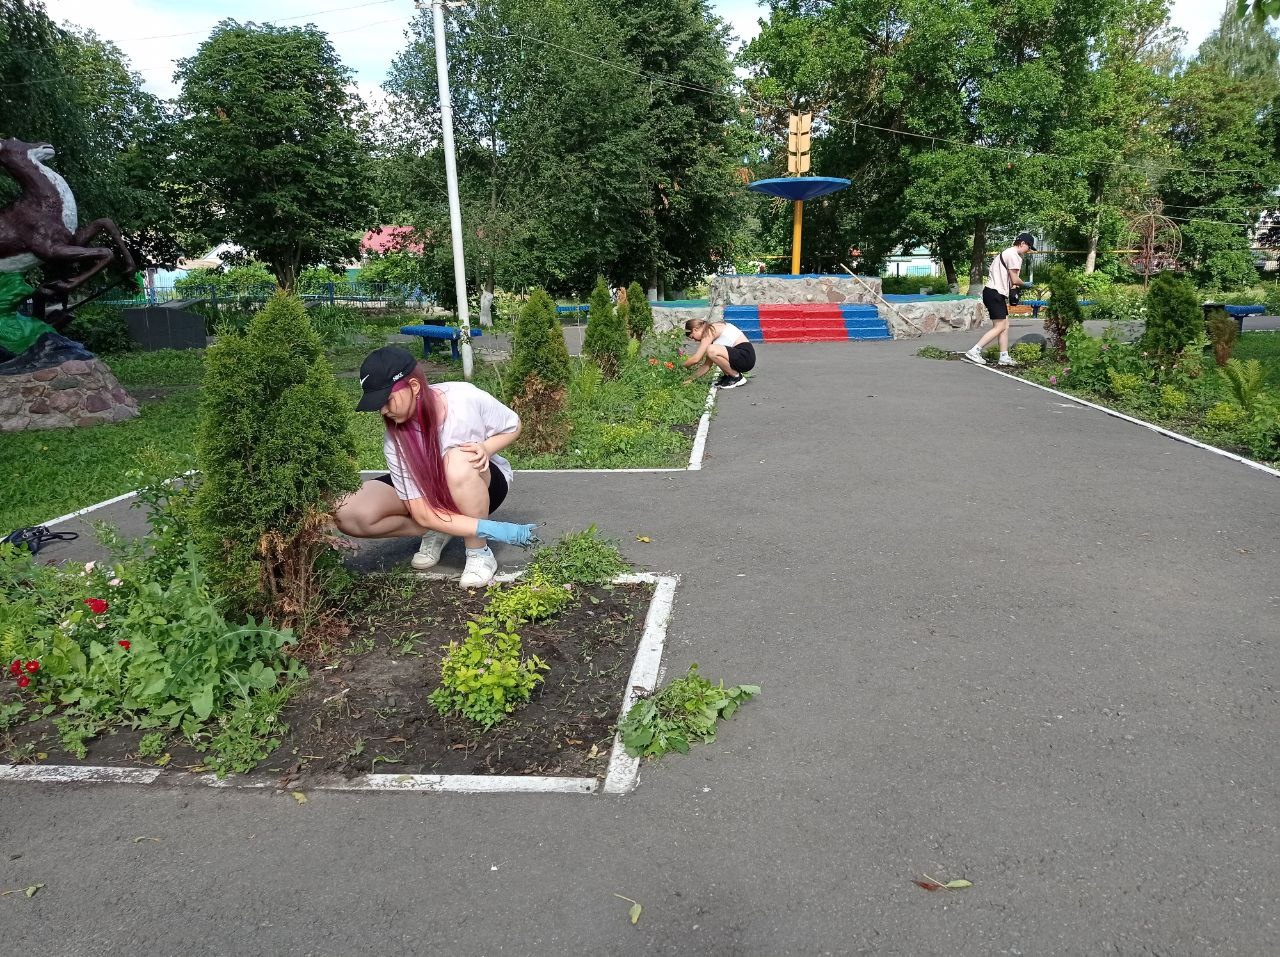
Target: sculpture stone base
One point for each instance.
(58, 384)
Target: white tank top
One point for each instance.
(728, 336)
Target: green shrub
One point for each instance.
(531, 600)
(1063, 310)
(1224, 415)
(275, 449)
(315, 280)
(1261, 432)
(1115, 304)
(1173, 399)
(1223, 331)
(606, 338)
(1124, 385)
(238, 282)
(1174, 314)
(911, 285)
(101, 330)
(1093, 285)
(1273, 299)
(483, 678)
(538, 347)
(639, 312)
(682, 714)
(579, 558)
(1025, 353)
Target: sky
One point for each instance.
(367, 34)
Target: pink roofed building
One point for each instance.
(389, 239)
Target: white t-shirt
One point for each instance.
(473, 415)
(998, 275)
(729, 335)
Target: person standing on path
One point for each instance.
(723, 345)
(1005, 275)
(446, 477)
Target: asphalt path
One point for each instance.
(1001, 637)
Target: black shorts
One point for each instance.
(997, 305)
(497, 487)
(742, 357)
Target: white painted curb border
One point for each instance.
(695, 465)
(1168, 433)
(620, 777)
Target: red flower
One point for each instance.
(653, 361)
(670, 365)
(96, 605)
(123, 644)
(15, 669)
(23, 681)
(33, 666)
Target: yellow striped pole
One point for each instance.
(795, 237)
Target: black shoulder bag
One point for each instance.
(1015, 292)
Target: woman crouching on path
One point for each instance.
(723, 345)
(445, 477)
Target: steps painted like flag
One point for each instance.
(808, 322)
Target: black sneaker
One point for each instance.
(731, 382)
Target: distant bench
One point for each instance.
(1235, 312)
(450, 333)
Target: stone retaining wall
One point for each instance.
(60, 395)
(778, 290)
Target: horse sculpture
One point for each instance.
(40, 226)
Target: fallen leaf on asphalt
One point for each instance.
(634, 911)
(298, 796)
(929, 884)
(644, 538)
(139, 840)
(35, 888)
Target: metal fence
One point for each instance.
(329, 293)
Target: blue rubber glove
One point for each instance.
(522, 535)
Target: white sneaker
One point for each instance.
(480, 569)
(428, 553)
(973, 355)
(1006, 361)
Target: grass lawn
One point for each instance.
(638, 423)
(1265, 347)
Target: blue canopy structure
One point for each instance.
(799, 187)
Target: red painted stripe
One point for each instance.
(801, 311)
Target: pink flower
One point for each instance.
(1053, 380)
(114, 583)
(89, 566)
(1066, 369)
(653, 361)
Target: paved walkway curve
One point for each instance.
(999, 636)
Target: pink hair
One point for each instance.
(418, 442)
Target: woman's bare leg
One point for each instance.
(375, 511)
(719, 357)
(999, 330)
(470, 489)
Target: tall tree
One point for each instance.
(272, 148)
(75, 91)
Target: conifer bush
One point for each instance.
(275, 450)
(1063, 310)
(1174, 314)
(606, 338)
(639, 312)
(537, 346)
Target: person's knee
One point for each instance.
(458, 470)
(349, 519)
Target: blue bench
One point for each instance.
(1235, 312)
(428, 333)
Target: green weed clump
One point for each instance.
(531, 600)
(484, 678)
(275, 450)
(580, 558)
(932, 352)
(683, 713)
(1026, 353)
(606, 338)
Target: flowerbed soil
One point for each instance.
(367, 709)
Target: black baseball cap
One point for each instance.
(379, 372)
(1026, 238)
